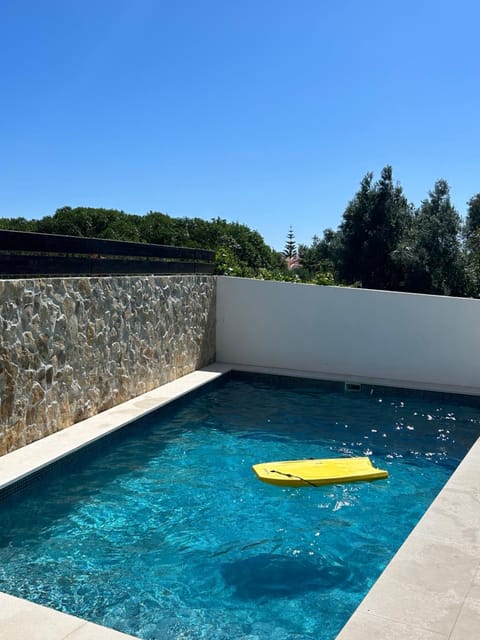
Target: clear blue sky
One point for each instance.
(267, 112)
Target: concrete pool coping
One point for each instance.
(429, 591)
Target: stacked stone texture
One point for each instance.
(72, 347)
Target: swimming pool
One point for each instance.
(164, 532)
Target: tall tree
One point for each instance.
(436, 264)
(472, 246)
(472, 221)
(290, 250)
(372, 228)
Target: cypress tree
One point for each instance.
(437, 244)
(373, 226)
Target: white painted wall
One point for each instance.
(401, 338)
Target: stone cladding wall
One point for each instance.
(72, 347)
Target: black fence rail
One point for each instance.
(40, 254)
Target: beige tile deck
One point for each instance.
(366, 625)
(22, 620)
(429, 591)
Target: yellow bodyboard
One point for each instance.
(317, 472)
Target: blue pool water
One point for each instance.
(162, 530)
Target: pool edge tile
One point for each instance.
(469, 617)
(373, 627)
(91, 631)
(421, 586)
(26, 460)
(24, 620)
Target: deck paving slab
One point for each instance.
(469, 618)
(374, 627)
(23, 620)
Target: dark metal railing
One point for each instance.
(40, 254)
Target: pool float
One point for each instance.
(317, 472)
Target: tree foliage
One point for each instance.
(91, 223)
(471, 235)
(373, 224)
(434, 261)
(240, 250)
(382, 241)
(290, 250)
(318, 261)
